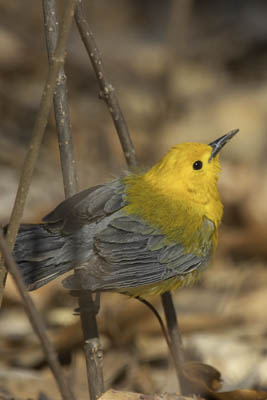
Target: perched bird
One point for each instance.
(141, 234)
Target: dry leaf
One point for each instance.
(204, 380)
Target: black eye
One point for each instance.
(197, 164)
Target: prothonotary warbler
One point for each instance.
(141, 234)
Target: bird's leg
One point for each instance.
(172, 336)
(97, 302)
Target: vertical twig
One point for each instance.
(175, 335)
(92, 346)
(61, 108)
(37, 136)
(109, 95)
(40, 123)
(36, 321)
(17, 212)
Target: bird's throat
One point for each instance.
(176, 214)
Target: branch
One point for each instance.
(157, 315)
(35, 320)
(40, 124)
(37, 136)
(107, 90)
(176, 345)
(61, 108)
(173, 336)
(92, 346)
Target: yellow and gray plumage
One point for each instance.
(140, 234)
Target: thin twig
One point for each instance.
(41, 121)
(92, 346)
(35, 320)
(169, 336)
(173, 327)
(107, 90)
(17, 212)
(157, 315)
(61, 108)
(38, 132)
(177, 350)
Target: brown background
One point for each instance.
(190, 77)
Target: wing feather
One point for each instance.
(129, 253)
(90, 205)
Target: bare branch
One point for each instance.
(176, 345)
(35, 320)
(107, 90)
(92, 346)
(157, 315)
(61, 108)
(40, 124)
(38, 132)
(17, 212)
(173, 336)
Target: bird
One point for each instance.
(144, 233)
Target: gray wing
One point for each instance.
(129, 253)
(86, 207)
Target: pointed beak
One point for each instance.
(218, 144)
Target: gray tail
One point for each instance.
(38, 254)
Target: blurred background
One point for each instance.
(184, 70)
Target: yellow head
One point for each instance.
(190, 169)
(181, 189)
(186, 170)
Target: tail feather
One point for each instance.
(38, 254)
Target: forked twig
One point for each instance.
(92, 346)
(38, 132)
(108, 94)
(35, 320)
(40, 123)
(17, 212)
